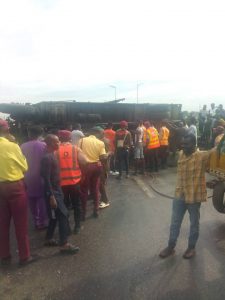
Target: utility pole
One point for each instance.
(114, 87)
(138, 84)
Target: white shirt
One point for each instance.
(193, 130)
(139, 134)
(76, 135)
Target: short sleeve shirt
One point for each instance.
(92, 147)
(191, 183)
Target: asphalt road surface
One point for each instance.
(118, 256)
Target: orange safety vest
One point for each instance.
(70, 172)
(153, 137)
(164, 136)
(145, 136)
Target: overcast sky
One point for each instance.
(76, 49)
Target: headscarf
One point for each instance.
(123, 124)
(65, 135)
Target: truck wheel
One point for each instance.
(218, 197)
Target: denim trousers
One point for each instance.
(123, 156)
(178, 212)
(58, 216)
(72, 195)
(64, 227)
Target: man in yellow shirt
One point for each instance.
(13, 198)
(94, 149)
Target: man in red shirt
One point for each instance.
(110, 134)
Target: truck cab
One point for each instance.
(217, 170)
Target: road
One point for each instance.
(119, 253)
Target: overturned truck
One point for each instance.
(58, 113)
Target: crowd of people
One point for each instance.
(57, 173)
(211, 124)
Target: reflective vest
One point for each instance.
(70, 172)
(153, 136)
(145, 136)
(164, 136)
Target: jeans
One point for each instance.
(112, 163)
(123, 156)
(64, 227)
(72, 194)
(58, 216)
(178, 212)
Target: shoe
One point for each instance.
(103, 205)
(114, 173)
(51, 243)
(166, 252)
(189, 253)
(30, 260)
(111, 172)
(6, 261)
(69, 249)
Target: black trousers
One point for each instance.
(152, 159)
(72, 195)
(112, 163)
(122, 155)
(56, 216)
(163, 151)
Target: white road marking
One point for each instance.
(144, 187)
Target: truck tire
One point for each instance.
(218, 197)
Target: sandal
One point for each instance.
(51, 243)
(69, 249)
